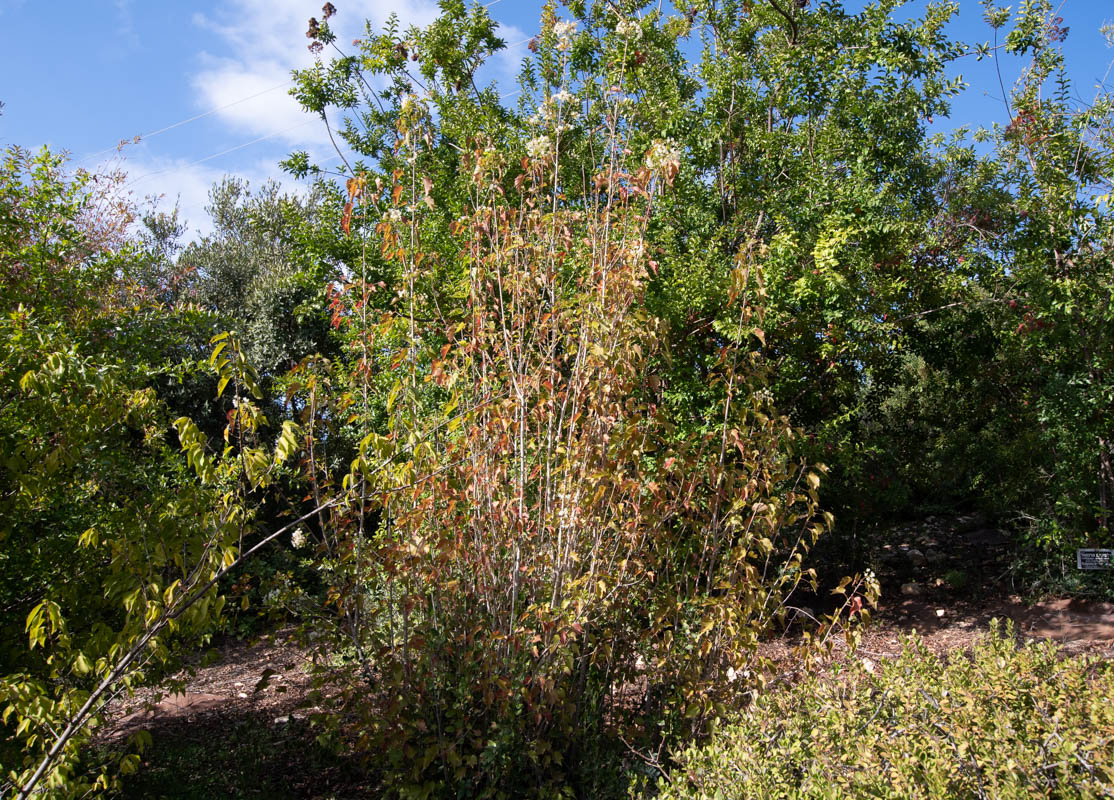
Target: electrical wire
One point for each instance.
(210, 112)
(221, 153)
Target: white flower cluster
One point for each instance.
(663, 155)
(298, 539)
(566, 508)
(539, 147)
(564, 31)
(394, 215)
(629, 29)
(551, 112)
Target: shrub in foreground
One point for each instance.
(1005, 721)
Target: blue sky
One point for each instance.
(80, 76)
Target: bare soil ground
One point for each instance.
(241, 728)
(948, 577)
(266, 676)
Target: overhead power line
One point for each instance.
(221, 153)
(194, 118)
(215, 110)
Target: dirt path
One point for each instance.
(239, 728)
(947, 578)
(268, 676)
(1078, 626)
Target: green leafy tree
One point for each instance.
(1006, 391)
(112, 542)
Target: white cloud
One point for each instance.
(507, 63)
(191, 189)
(270, 110)
(245, 78)
(191, 182)
(126, 26)
(265, 40)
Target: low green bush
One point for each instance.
(1004, 721)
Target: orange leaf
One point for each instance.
(346, 219)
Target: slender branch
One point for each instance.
(329, 130)
(789, 18)
(84, 714)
